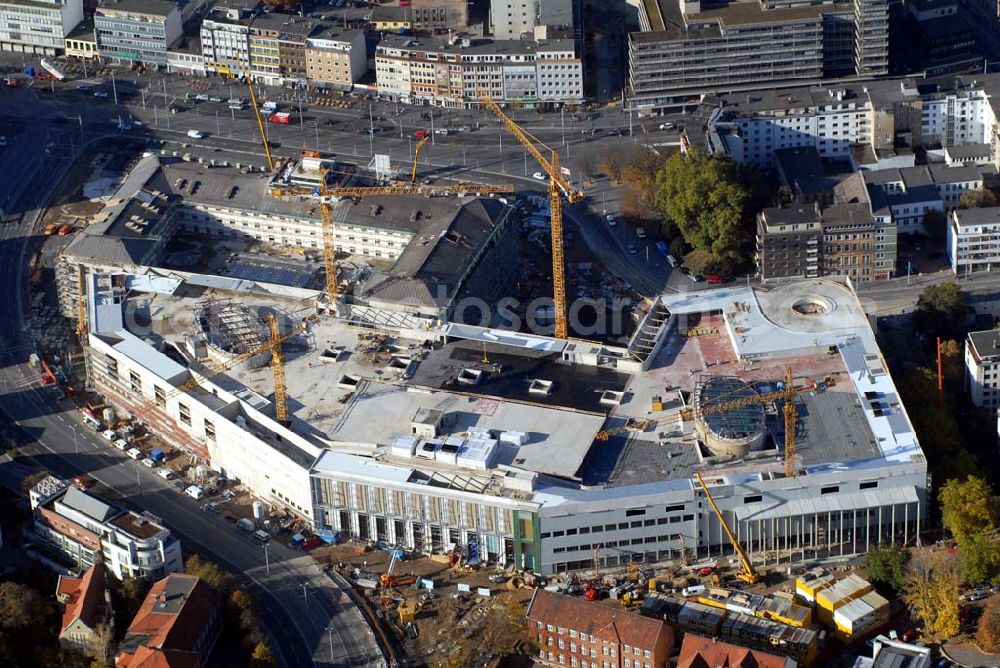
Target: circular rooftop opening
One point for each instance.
(811, 305)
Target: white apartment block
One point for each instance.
(88, 529)
(510, 19)
(908, 193)
(224, 41)
(871, 114)
(973, 243)
(336, 58)
(38, 26)
(455, 75)
(982, 368)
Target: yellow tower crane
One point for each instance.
(278, 368)
(274, 342)
(260, 124)
(558, 187)
(81, 302)
(747, 573)
(416, 156)
(789, 413)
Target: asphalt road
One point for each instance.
(309, 617)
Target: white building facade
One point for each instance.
(38, 26)
(982, 368)
(973, 242)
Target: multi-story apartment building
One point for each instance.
(455, 74)
(512, 19)
(973, 242)
(867, 122)
(81, 42)
(907, 194)
(570, 631)
(88, 530)
(435, 16)
(336, 57)
(225, 38)
(982, 368)
(263, 48)
(131, 31)
(689, 49)
(38, 26)
(837, 240)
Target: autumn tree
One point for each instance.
(611, 164)
(977, 198)
(887, 568)
(979, 557)
(988, 631)
(704, 197)
(131, 593)
(208, 572)
(968, 507)
(33, 479)
(640, 177)
(262, 657)
(931, 591)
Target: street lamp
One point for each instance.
(305, 592)
(330, 636)
(267, 561)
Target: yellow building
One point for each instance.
(392, 19)
(336, 57)
(81, 43)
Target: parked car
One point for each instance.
(612, 219)
(261, 535)
(632, 250)
(134, 453)
(420, 134)
(109, 434)
(640, 232)
(442, 131)
(667, 126)
(165, 473)
(538, 176)
(121, 444)
(715, 279)
(195, 492)
(101, 95)
(149, 463)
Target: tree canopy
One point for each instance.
(968, 507)
(208, 572)
(887, 568)
(941, 310)
(704, 197)
(988, 631)
(932, 593)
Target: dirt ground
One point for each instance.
(450, 625)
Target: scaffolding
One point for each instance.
(231, 327)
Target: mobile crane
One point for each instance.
(790, 415)
(416, 156)
(747, 573)
(558, 187)
(260, 124)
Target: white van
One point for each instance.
(149, 463)
(693, 590)
(195, 492)
(93, 423)
(134, 453)
(121, 444)
(166, 474)
(671, 260)
(109, 434)
(262, 535)
(196, 134)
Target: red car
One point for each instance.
(82, 482)
(705, 570)
(420, 134)
(714, 278)
(312, 542)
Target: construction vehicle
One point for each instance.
(787, 394)
(386, 579)
(416, 157)
(630, 599)
(747, 573)
(558, 187)
(260, 124)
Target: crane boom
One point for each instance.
(260, 124)
(558, 187)
(416, 156)
(278, 367)
(747, 573)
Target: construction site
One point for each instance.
(302, 334)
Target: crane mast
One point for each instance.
(278, 368)
(558, 187)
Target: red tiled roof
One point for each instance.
(162, 636)
(86, 598)
(601, 621)
(700, 652)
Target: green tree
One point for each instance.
(21, 607)
(936, 425)
(262, 657)
(887, 568)
(704, 197)
(979, 558)
(208, 572)
(968, 507)
(936, 224)
(941, 310)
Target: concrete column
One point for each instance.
(906, 523)
(867, 525)
(840, 533)
(854, 532)
(893, 534)
(880, 524)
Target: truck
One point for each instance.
(246, 524)
(53, 70)
(282, 117)
(268, 108)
